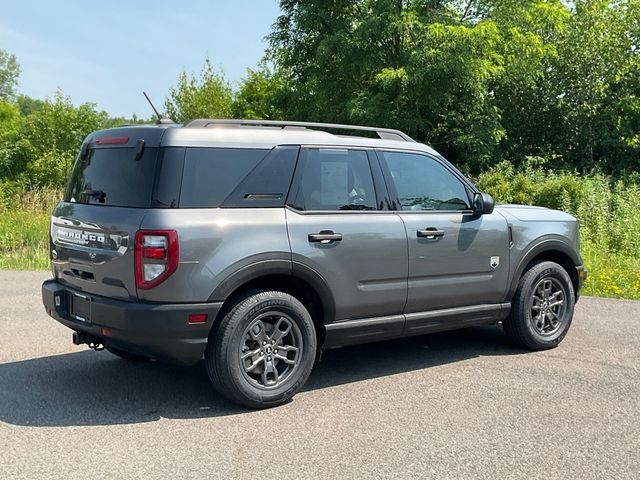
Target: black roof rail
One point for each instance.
(383, 133)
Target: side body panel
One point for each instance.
(366, 271)
(216, 243)
(468, 265)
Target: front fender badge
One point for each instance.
(495, 261)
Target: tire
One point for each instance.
(128, 356)
(541, 331)
(250, 359)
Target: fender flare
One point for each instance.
(263, 268)
(547, 243)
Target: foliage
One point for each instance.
(611, 275)
(9, 73)
(208, 96)
(481, 81)
(48, 139)
(24, 240)
(28, 105)
(261, 95)
(24, 226)
(540, 98)
(10, 124)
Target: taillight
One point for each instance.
(156, 256)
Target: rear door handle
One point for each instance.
(430, 233)
(325, 236)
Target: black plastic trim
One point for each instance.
(351, 332)
(544, 244)
(265, 268)
(151, 329)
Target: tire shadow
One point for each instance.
(97, 388)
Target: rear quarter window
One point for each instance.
(211, 174)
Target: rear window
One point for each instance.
(211, 174)
(113, 177)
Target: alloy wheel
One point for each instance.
(270, 350)
(548, 306)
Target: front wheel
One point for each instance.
(542, 308)
(263, 350)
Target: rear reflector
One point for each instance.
(106, 332)
(198, 318)
(155, 253)
(111, 140)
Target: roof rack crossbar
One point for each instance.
(384, 133)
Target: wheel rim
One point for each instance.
(270, 350)
(548, 306)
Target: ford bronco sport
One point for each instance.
(255, 244)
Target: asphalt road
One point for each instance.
(454, 405)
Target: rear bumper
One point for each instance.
(156, 330)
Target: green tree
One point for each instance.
(208, 96)
(596, 87)
(428, 67)
(28, 105)
(9, 73)
(49, 138)
(263, 94)
(10, 124)
(481, 80)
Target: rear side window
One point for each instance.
(113, 177)
(335, 179)
(211, 174)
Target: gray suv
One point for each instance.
(256, 244)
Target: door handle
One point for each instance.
(430, 233)
(325, 236)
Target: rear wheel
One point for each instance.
(263, 350)
(542, 308)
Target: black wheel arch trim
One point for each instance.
(548, 243)
(265, 268)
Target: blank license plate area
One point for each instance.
(81, 308)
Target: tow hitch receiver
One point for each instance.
(82, 338)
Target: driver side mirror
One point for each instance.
(483, 204)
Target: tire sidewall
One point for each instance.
(241, 321)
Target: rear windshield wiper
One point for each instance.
(99, 195)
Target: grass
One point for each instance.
(24, 240)
(24, 226)
(611, 274)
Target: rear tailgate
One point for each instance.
(92, 248)
(110, 191)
